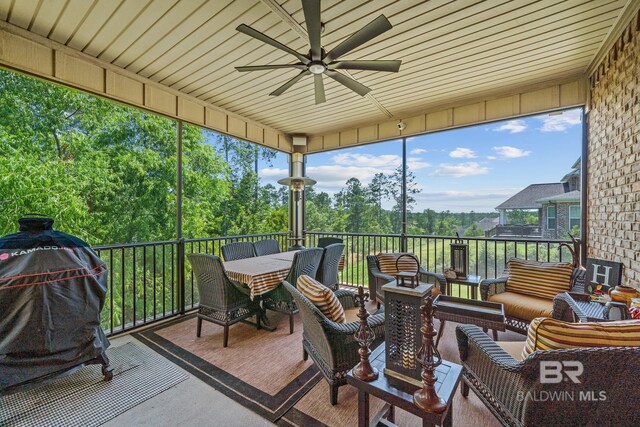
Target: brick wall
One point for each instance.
(613, 207)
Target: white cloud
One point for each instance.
(512, 126)
(460, 170)
(462, 153)
(418, 151)
(415, 163)
(351, 159)
(561, 122)
(491, 157)
(507, 152)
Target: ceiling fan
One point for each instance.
(318, 62)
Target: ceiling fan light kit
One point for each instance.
(318, 62)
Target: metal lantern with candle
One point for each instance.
(402, 330)
(460, 257)
(296, 183)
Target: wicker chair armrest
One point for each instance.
(471, 336)
(348, 329)
(347, 298)
(382, 276)
(490, 287)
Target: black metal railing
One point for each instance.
(146, 284)
(487, 256)
(144, 280)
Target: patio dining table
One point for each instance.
(262, 273)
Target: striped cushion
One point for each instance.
(550, 334)
(387, 263)
(322, 297)
(538, 279)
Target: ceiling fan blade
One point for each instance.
(360, 37)
(355, 86)
(312, 19)
(391, 66)
(319, 89)
(288, 84)
(268, 40)
(270, 67)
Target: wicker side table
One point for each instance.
(576, 307)
(485, 314)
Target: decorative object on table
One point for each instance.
(450, 274)
(623, 294)
(602, 275)
(365, 336)
(426, 398)
(402, 331)
(407, 279)
(460, 257)
(635, 312)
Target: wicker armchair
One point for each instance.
(331, 345)
(511, 388)
(378, 279)
(279, 299)
(491, 287)
(328, 270)
(237, 250)
(266, 247)
(220, 301)
(323, 242)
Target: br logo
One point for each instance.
(554, 372)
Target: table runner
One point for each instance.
(262, 273)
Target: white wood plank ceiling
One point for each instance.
(450, 50)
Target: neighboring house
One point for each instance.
(557, 204)
(487, 224)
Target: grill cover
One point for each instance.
(52, 289)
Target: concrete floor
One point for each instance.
(189, 403)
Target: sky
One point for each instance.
(461, 170)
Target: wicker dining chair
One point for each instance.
(332, 346)
(328, 270)
(323, 242)
(220, 301)
(279, 299)
(237, 250)
(266, 247)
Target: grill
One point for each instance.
(52, 289)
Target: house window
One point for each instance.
(574, 216)
(551, 217)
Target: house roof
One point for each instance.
(528, 198)
(488, 223)
(571, 196)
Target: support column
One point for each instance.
(584, 186)
(180, 249)
(296, 203)
(403, 231)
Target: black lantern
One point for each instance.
(460, 257)
(402, 331)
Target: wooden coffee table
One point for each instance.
(400, 395)
(487, 315)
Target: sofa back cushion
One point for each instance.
(322, 297)
(387, 263)
(538, 279)
(549, 334)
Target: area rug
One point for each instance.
(264, 371)
(261, 370)
(85, 399)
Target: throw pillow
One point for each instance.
(322, 297)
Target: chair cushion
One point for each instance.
(523, 307)
(513, 348)
(322, 297)
(387, 263)
(538, 279)
(551, 334)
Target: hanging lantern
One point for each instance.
(460, 257)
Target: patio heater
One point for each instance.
(296, 183)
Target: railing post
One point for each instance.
(182, 288)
